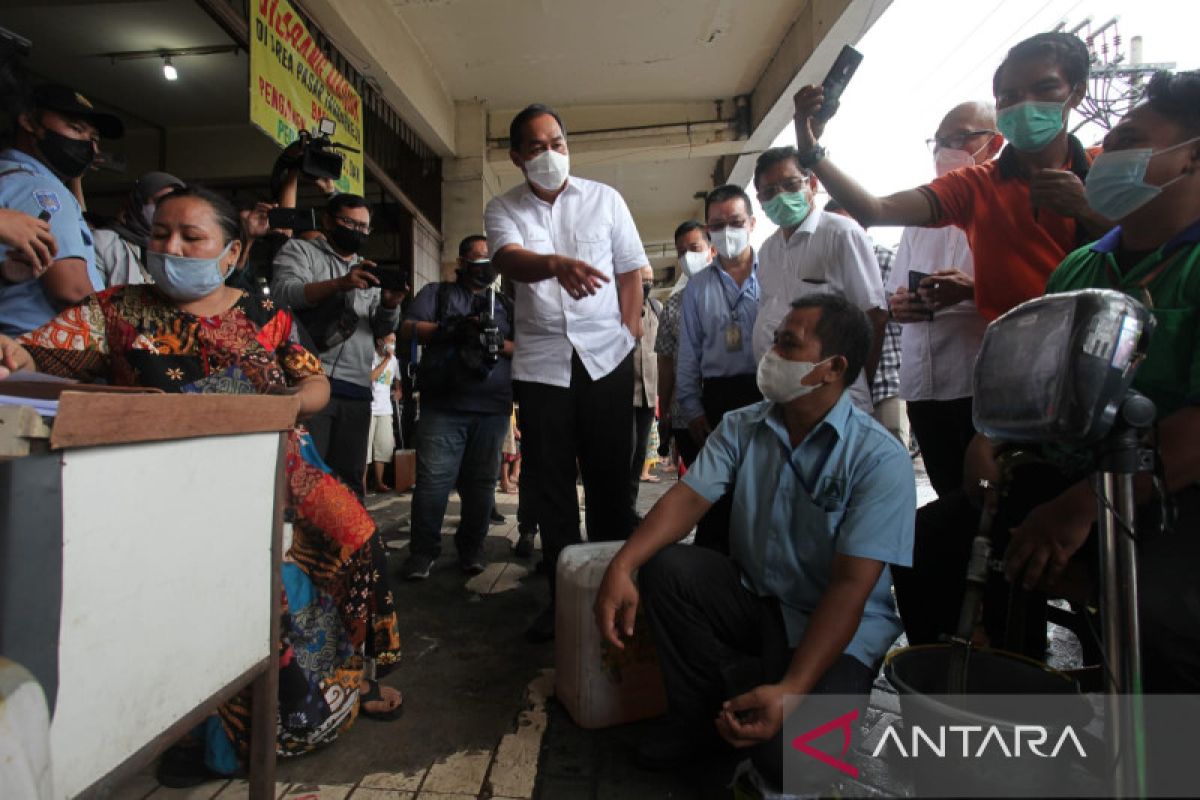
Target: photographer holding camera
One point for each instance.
(337, 296)
(465, 380)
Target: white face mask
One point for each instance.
(548, 170)
(780, 380)
(692, 262)
(730, 242)
(389, 348)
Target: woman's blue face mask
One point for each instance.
(186, 279)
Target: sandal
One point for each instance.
(372, 695)
(651, 479)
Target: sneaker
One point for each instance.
(497, 518)
(416, 567)
(542, 629)
(524, 546)
(474, 565)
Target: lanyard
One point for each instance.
(1115, 279)
(737, 299)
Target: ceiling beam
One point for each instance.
(805, 54)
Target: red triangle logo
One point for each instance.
(843, 723)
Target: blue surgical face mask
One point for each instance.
(1116, 182)
(186, 279)
(1031, 125)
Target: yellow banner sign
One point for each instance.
(293, 86)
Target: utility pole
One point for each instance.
(1118, 76)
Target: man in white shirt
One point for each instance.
(940, 337)
(572, 249)
(812, 252)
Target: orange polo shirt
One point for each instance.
(1015, 250)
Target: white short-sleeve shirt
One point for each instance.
(937, 358)
(588, 221)
(827, 253)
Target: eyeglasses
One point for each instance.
(955, 141)
(788, 185)
(720, 225)
(353, 224)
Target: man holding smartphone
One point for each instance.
(933, 298)
(338, 298)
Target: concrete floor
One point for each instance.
(475, 691)
(480, 720)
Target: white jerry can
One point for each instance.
(599, 685)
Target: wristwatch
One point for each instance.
(812, 157)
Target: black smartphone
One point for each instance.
(294, 219)
(914, 280)
(45, 215)
(390, 279)
(835, 82)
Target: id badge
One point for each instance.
(733, 338)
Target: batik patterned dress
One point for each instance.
(337, 607)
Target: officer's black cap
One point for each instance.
(71, 103)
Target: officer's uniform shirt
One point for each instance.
(27, 185)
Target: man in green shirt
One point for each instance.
(1148, 179)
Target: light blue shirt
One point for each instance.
(847, 488)
(712, 302)
(30, 186)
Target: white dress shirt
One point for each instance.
(827, 253)
(588, 221)
(937, 358)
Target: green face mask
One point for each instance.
(787, 209)
(1031, 125)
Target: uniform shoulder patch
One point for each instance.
(47, 201)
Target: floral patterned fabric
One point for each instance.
(337, 609)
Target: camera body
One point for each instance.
(318, 156)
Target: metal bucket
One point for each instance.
(921, 675)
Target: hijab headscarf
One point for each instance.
(133, 226)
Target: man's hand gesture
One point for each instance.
(807, 103)
(754, 717)
(578, 277)
(616, 606)
(29, 239)
(359, 277)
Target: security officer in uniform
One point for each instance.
(55, 141)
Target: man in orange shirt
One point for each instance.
(1023, 212)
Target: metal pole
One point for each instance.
(1122, 643)
(1107, 527)
(1132, 774)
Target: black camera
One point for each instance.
(318, 156)
(297, 220)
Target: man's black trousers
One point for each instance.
(589, 423)
(716, 639)
(943, 429)
(340, 432)
(719, 396)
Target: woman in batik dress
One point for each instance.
(191, 333)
